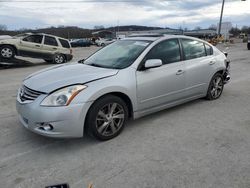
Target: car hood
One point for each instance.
(50, 79)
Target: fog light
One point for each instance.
(45, 126)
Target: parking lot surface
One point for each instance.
(198, 144)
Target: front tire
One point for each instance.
(59, 59)
(107, 117)
(7, 52)
(216, 87)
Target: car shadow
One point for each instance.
(89, 141)
(19, 63)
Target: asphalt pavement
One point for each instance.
(198, 144)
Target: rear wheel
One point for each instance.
(7, 52)
(107, 117)
(215, 88)
(59, 59)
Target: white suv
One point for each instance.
(48, 47)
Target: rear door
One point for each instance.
(31, 45)
(199, 63)
(50, 46)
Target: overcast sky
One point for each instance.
(16, 14)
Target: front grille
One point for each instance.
(27, 94)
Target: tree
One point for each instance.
(197, 28)
(245, 29)
(213, 27)
(235, 31)
(99, 27)
(3, 27)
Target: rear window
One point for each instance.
(50, 41)
(64, 43)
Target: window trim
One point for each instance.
(141, 64)
(34, 35)
(211, 48)
(50, 44)
(184, 57)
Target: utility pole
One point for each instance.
(221, 15)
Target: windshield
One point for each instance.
(118, 55)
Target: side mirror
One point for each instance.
(152, 63)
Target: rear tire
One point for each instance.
(59, 59)
(7, 52)
(216, 87)
(107, 117)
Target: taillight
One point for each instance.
(71, 51)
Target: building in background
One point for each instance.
(201, 33)
(123, 34)
(225, 28)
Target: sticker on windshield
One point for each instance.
(141, 43)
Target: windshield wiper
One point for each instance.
(81, 61)
(96, 65)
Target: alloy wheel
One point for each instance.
(6, 53)
(59, 59)
(217, 87)
(110, 119)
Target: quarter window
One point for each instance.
(34, 39)
(168, 51)
(193, 49)
(50, 41)
(64, 43)
(209, 49)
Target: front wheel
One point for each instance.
(59, 59)
(107, 117)
(215, 87)
(7, 52)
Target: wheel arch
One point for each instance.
(11, 45)
(122, 96)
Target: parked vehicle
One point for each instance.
(130, 78)
(5, 37)
(248, 42)
(104, 42)
(48, 47)
(81, 43)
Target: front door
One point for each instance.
(31, 46)
(165, 84)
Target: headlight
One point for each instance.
(62, 97)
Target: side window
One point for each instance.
(168, 51)
(193, 49)
(50, 41)
(64, 43)
(209, 49)
(34, 39)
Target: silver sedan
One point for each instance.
(130, 78)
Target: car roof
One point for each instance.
(163, 37)
(46, 35)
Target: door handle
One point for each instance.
(211, 62)
(54, 48)
(179, 72)
(38, 46)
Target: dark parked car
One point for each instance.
(81, 43)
